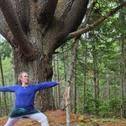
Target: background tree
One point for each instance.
(123, 60)
(6, 75)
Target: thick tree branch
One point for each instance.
(4, 30)
(71, 23)
(23, 11)
(8, 36)
(67, 9)
(96, 23)
(46, 10)
(13, 22)
(75, 15)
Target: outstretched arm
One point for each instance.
(8, 89)
(44, 85)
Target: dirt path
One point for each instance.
(57, 118)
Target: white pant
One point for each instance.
(40, 117)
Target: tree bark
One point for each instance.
(123, 63)
(3, 84)
(39, 70)
(107, 86)
(71, 76)
(96, 80)
(123, 78)
(85, 77)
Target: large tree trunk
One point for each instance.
(39, 70)
(35, 29)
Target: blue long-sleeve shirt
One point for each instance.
(25, 95)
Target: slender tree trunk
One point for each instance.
(75, 91)
(64, 63)
(96, 81)
(3, 84)
(106, 91)
(67, 105)
(58, 78)
(123, 77)
(72, 77)
(85, 77)
(55, 77)
(69, 92)
(123, 62)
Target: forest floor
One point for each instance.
(58, 117)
